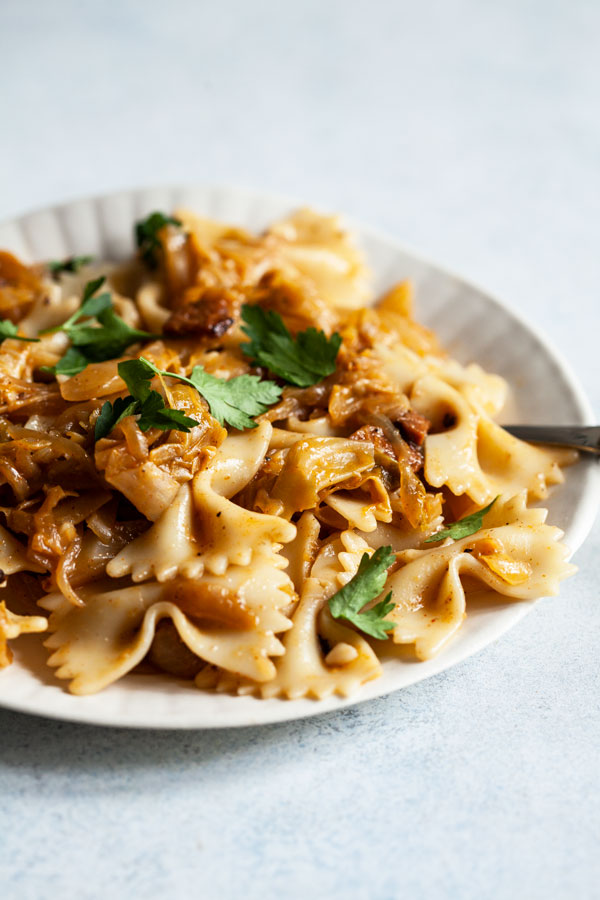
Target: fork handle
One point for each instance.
(579, 437)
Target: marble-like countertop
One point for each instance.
(471, 131)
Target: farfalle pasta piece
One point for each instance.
(475, 456)
(231, 534)
(167, 549)
(301, 552)
(521, 560)
(339, 559)
(401, 365)
(202, 527)
(483, 390)
(395, 309)
(509, 463)
(451, 455)
(305, 670)
(513, 509)
(13, 556)
(231, 621)
(320, 426)
(228, 533)
(12, 626)
(50, 309)
(362, 505)
(321, 251)
(239, 459)
(400, 536)
(150, 300)
(406, 367)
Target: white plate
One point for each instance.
(472, 326)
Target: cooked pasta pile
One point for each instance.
(225, 461)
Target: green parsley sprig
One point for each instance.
(90, 306)
(234, 400)
(70, 264)
(302, 360)
(147, 239)
(367, 584)
(142, 401)
(8, 329)
(91, 343)
(462, 528)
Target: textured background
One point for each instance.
(468, 129)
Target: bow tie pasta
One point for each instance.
(224, 460)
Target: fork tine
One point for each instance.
(579, 437)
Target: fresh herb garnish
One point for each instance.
(303, 360)
(462, 528)
(8, 329)
(142, 401)
(235, 400)
(70, 264)
(90, 343)
(368, 582)
(90, 306)
(73, 362)
(147, 239)
(112, 413)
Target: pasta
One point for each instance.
(226, 461)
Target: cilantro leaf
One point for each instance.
(303, 360)
(147, 239)
(70, 264)
(462, 528)
(8, 329)
(368, 582)
(234, 401)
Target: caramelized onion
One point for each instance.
(210, 602)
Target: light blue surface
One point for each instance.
(470, 130)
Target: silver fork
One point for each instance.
(579, 437)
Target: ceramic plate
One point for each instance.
(470, 324)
